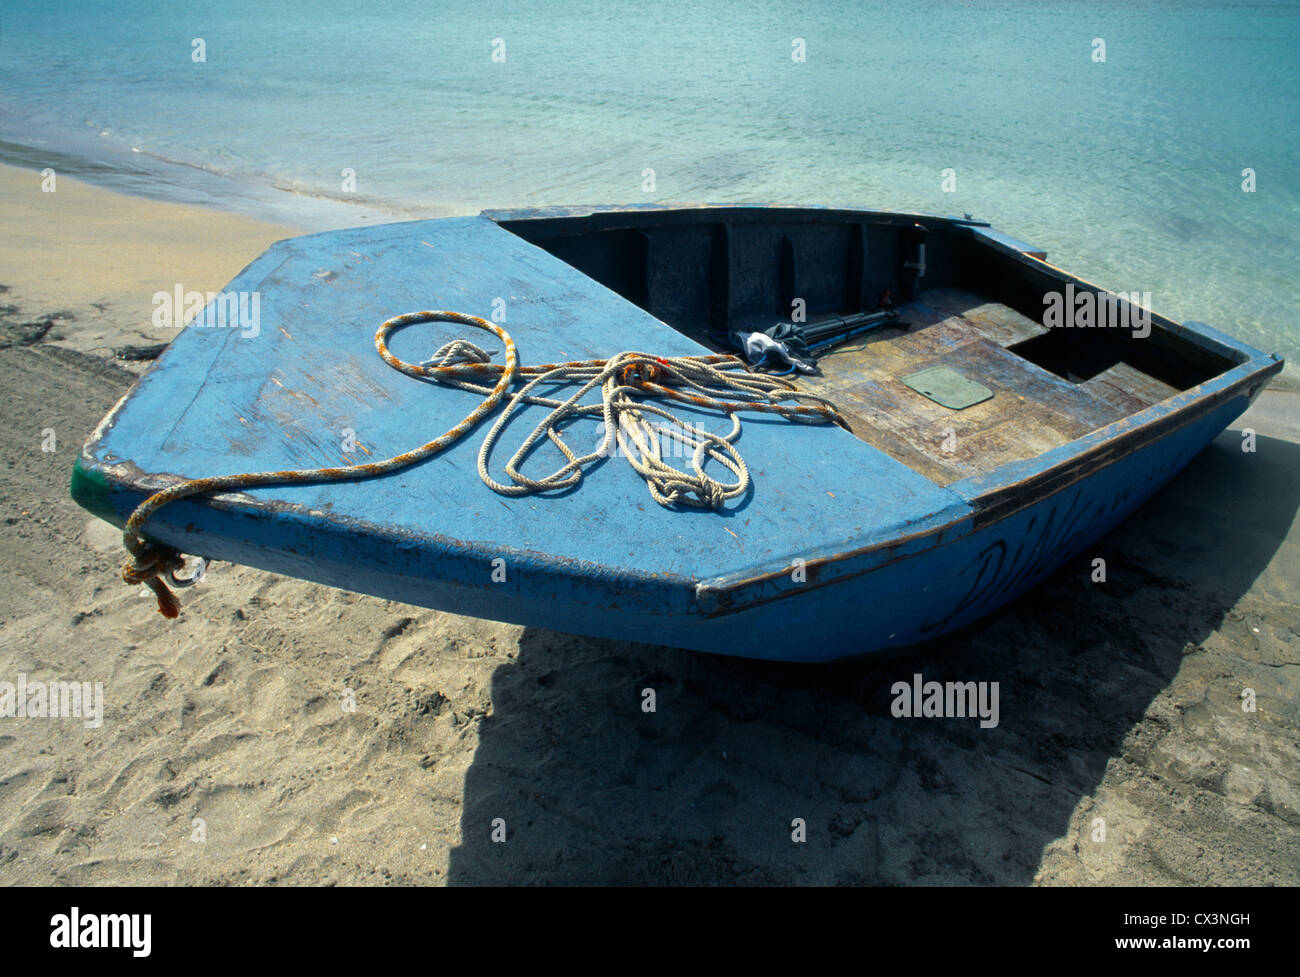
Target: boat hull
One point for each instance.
(839, 550)
(838, 606)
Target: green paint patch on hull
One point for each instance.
(90, 491)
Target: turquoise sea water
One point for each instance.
(1126, 171)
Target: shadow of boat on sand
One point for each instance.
(703, 790)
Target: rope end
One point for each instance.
(145, 563)
(169, 606)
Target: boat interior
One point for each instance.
(968, 300)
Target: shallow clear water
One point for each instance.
(1127, 172)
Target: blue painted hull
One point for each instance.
(802, 572)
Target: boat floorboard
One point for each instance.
(1032, 409)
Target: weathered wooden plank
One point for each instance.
(1128, 388)
(996, 322)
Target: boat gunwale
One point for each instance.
(755, 210)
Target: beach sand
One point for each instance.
(226, 755)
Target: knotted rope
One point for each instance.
(716, 382)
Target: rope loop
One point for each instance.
(632, 388)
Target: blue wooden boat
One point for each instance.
(986, 448)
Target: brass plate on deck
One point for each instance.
(948, 387)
